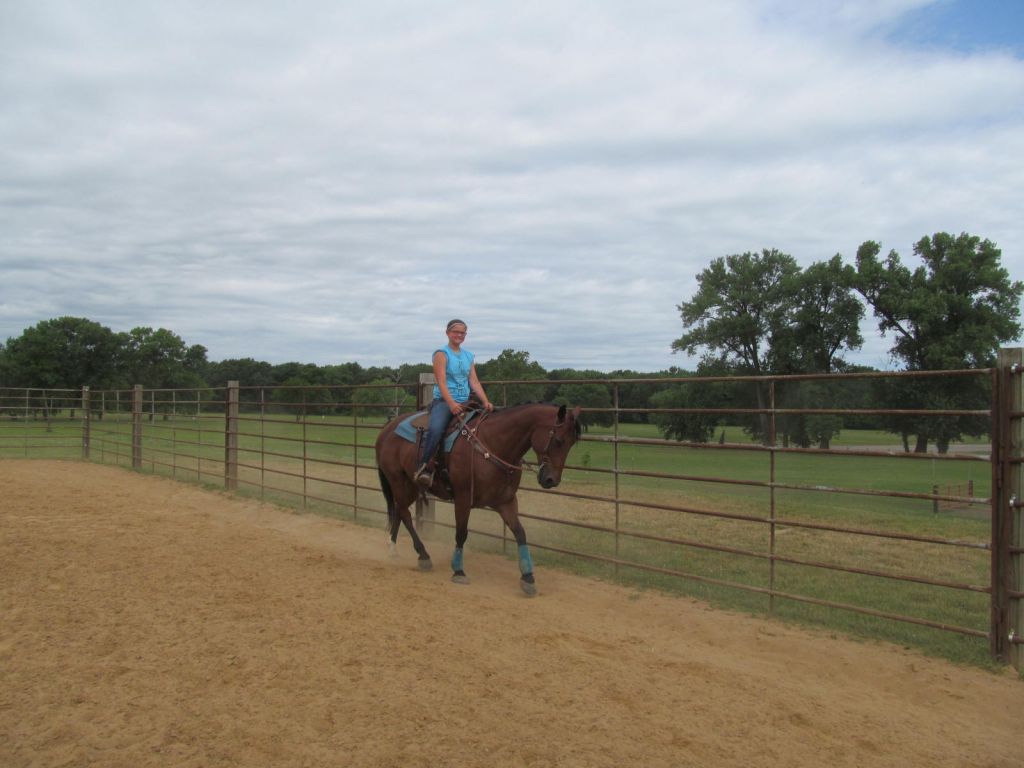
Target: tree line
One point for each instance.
(753, 314)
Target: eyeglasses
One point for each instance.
(457, 333)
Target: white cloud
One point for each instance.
(325, 182)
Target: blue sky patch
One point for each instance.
(968, 26)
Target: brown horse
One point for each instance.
(484, 467)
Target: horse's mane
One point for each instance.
(531, 403)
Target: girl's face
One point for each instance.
(457, 334)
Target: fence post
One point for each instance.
(425, 508)
(86, 423)
(231, 436)
(1016, 607)
(1007, 522)
(137, 427)
(1007, 492)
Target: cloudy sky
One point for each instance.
(332, 181)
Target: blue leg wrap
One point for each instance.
(525, 561)
(457, 559)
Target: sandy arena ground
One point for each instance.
(145, 622)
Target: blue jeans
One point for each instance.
(440, 415)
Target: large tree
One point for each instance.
(952, 311)
(512, 365)
(63, 353)
(826, 316)
(160, 359)
(825, 322)
(742, 306)
(759, 313)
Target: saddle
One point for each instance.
(412, 427)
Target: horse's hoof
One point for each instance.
(426, 564)
(392, 549)
(528, 587)
(460, 578)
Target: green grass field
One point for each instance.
(649, 532)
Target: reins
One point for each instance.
(469, 429)
(470, 433)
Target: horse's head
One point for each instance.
(552, 443)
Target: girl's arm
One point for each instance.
(476, 386)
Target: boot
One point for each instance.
(425, 475)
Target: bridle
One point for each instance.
(470, 433)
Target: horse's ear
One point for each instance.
(561, 415)
(576, 413)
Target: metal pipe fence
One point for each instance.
(778, 514)
(40, 423)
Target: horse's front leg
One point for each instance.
(462, 507)
(509, 512)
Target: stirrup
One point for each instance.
(424, 476)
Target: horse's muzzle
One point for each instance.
(545, 479)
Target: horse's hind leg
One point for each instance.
(398, 514)
(396, 523)
(425, 563)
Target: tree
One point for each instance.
(382, 397)
(582, 388)
(512, 365)
(826, 317)
(5, 367)
(255, 378)
(246, 371)
(590, 395)
(696, 427)
(63, 353)
(698, 394)
(308, 372)
(805, 429)
(343, 374)
(637, 394)
(825, 321)
(160, 360)
(300, 397)
(743, 304)
(951, 312)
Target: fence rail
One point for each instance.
(855, 536)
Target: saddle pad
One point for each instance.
(407, 428)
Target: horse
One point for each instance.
(485, 466)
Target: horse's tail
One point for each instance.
(389, 497)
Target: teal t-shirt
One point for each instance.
(456, 374)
